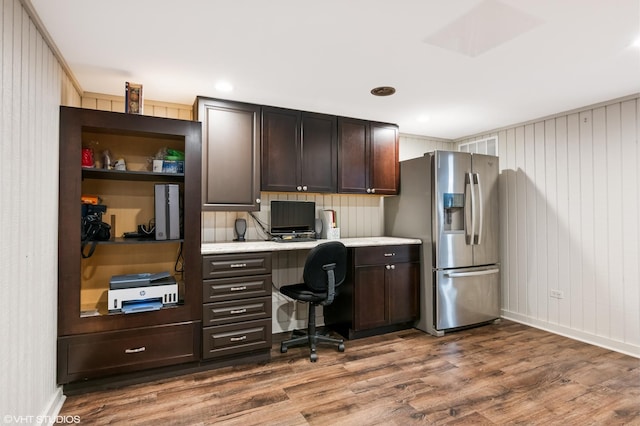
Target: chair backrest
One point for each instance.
(314, 276)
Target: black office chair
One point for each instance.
(324, 270)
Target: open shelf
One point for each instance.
(121, 240)
(89, 173)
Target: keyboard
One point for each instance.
(294, 240)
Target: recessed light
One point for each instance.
(383, 91)
(224, 86)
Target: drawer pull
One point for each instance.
(389, 254)
(241, 288)
(238, 265)
(238, 311)
(135, 350)
(238, 339)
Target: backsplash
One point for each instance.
(358, 216)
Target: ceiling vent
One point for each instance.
(489, 24)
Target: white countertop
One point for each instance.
(256, 246)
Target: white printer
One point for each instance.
(142, 292)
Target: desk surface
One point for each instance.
(256, 246)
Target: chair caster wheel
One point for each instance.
(283, 349)
(313, 357)
(341, 347)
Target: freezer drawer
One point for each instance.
(467, 296)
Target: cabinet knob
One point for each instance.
(393, 266)
(299, 188)
(388, 266)
(304, 187)
(373, 190)
(368, 190)
(258, 200)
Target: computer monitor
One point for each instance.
(292, 217)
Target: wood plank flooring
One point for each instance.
(503, 373)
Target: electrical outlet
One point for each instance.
(556, 294)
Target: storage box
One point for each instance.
(333, 234)
(157, 166)
(170, 166)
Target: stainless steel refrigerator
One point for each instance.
(450, 201)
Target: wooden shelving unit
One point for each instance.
(92, 342)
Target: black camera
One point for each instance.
(92, 227)
(93, 209)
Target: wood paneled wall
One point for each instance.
(569, 197)
(150, 107)
(33, 85)
(413, 146)
(358, 216)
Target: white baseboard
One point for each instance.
(52, 410)
(603, 342)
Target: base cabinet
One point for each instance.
(94, 355)
(380, 293)
(236, 308)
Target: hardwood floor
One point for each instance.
(504, 373)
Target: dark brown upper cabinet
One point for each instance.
(368, 157)
(230, 154)
(299, 151)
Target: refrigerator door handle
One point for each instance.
(473, 208)
(467, 196)
(480, 209)
(471, 274)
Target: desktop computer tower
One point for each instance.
(167, 205)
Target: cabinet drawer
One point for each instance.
(235, 265)
(236, 310)
(237, 338)
(102, 354)
(236, 288)
(377, 255)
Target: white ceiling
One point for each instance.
(466, 65)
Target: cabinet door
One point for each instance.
(230, 154)
(384, 168)
(403, 286)
(353, 157)
(319, 151)
(370, 297)
(281, 167)
(299, 151)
